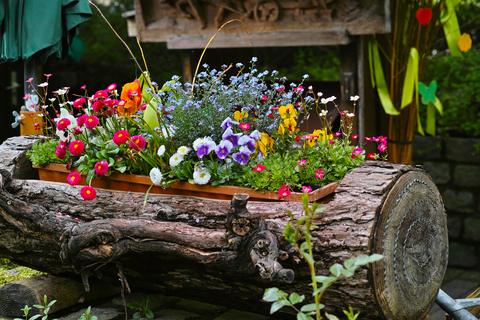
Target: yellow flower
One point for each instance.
(239, 115)
(281, 129)
(287, 111)
(290, 123)
(464, 42)
(264, 142)
(324, 133)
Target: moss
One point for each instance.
(21, 272)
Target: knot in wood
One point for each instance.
(240, 226)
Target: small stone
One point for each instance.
(466, 176)
(458, 201)
(461, 255)
(454, 226)
(472, 229)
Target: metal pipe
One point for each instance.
(455, 308)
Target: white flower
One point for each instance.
(52, 99)
(171, 132)
(161, 150)
(156, 176)
(331, 98)
(60, 92)
(310, 88)
(319, 94)
(199, 142)
(176, 159)
(354, 98)
(201, 177)
(324, 101)
(41, 85)
(255, 135)
(350, 115)
(65, 135)
(323, 113)
(183, 150)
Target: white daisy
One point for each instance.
(201, 177)
(176, 159)
(161, 151)
(354, 98)
(183, 150)
(156, 176)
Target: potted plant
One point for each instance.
(240, 132)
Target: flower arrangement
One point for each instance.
(240, 132)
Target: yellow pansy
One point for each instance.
(281, 129)
(464, 42)
(263, 143)
(323, 133)
(290, 123)
(287, 111)
(239, 115)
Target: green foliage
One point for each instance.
(23, 272)
(292, 232)
(45, 308)
(43, 153)
(86, 315)
(458, 90)
(141, 308)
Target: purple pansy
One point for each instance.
(232, 137)
(255, 135)
(205, 148)
(223, 149)
(242, 156)
(248, 142)
(227, 123)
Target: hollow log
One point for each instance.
(229, 252)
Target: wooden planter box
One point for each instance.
(140, 183)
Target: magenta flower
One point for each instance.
(382, 147)
(319, 173)
(120, 137)
(88, 193)
(111, 87)
(83, 87)
(103, 94)
(283, 192)
(101, 168)
(244, 126)
(242, 156)
(81, 120)
(306, 189)
(137, 143)
(79, 102)
(259, 168)
(302, 162)
(29, 80)
(63, 124)
(264, 98)
(91, 122)
(61, 150)
(74, 178)
(98, 105)
(356, 151)
(76, 147)
(223, 149)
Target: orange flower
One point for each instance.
(132, 95)
(465, 42)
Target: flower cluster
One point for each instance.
(245, 132)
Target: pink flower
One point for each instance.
(91, 122)
(103, 94)
(137, 143)
(298, 89)
(88, 193)
(79, 102)
(26, 96)
(368, 139)
(120, 137)
(382, 147)
(244, 126)
(355, 136)
(81, 120)
(331, 142)
(356, 151)
(74, 178)
(111, 87)
(29, 80)
(319, 173)
(306, 189)
(101, 168)
(77, 130)
(283, 192)
(259, 168)
(63, 124)
(264, 98)
(97, 105)
(382, 139)
(76, 147)
(302, 162)
(338, 134)
(307, 136)
(83, 87)
(47, 75)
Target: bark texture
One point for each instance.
(231, 251)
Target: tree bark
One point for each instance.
(231, 251)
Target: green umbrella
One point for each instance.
(39, 29)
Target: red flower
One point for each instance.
(259, 168)
(88, 193)
(97, 105)
(76, 147)
(101, 168)
(424, 15)
(264, 98)
(372, 156)
(81, 120)
(244, 126)
(74, 178)
(137, 143)
(283, 192)
(91, 122)
(270, 115)
(63, 124)
(120, 137)
(79, 102)
(298, 139)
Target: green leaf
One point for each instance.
(149, 314)
(90, 175)
(336, 269)
(302, 316)
(348, 263)
(296, 298)
(277, 305)
(309, 258)
(348, 272)
(39, 306)
(137, 315)
(410, 78)
(272, 294)
(304, 246)
(438, 105)
(330, 316)
(382, 89)
(364, 259)
(134, 305)
(121, 169)
(309, 307)
(35, 317)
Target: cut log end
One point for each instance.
(411, 233)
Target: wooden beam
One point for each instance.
(265, 39)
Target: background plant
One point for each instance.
(293, 232)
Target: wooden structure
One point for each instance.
(230, 252)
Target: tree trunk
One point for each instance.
(231, 251)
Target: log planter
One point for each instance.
(230, 251)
